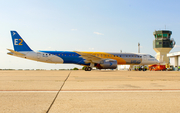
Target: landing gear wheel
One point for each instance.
(88, 68)
(85, 68)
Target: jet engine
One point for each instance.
(108, 64)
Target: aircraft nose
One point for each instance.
(157, 61)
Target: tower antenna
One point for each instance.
(138, 47)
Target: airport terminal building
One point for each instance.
(174, 58)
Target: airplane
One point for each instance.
(100, 60)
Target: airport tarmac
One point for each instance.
(87, 92)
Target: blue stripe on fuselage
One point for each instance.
(67, 56)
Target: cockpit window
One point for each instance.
(151, 56)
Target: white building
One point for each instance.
(174, 58)
(123, 67)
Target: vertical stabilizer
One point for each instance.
(18, 43)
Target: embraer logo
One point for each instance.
(110, 64)
(16, 42)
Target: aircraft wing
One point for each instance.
(89, 58)
(14, 52)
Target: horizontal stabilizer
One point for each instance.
(15, 52)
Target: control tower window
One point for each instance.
(155, 36)
(159, 35)
(165, 35)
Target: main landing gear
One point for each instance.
(88, 69)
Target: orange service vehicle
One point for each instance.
(157, 67)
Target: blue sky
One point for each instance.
(84, 25)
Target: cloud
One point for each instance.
(177, 46)
(2, 51)
(91, 48)
(48, 48)
(98, 33)
(73, 29)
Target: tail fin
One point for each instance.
(18, 43)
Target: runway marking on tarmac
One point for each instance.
(91, 90)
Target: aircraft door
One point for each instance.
(38, 55)
(145, 57)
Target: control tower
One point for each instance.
(163, 44)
